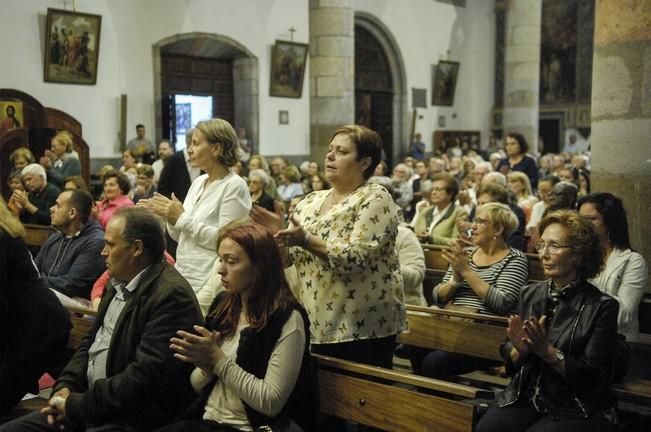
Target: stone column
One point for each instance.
(621, 111)
(332, 71)
(245, 89)
(522, 68)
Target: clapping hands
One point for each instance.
(202, 349)
(170, 209)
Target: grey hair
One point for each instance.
(35, 169)
(262, 175)
(494, 177)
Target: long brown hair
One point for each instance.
(269, 289)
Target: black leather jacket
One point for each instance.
(584, 328)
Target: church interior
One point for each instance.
(442, 82)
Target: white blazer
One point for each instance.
(625, 278)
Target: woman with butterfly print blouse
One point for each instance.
(342, 242)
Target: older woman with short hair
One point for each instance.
(438, 223)
(215, 198)
(560, 347)
(116, 195)
(61, 161)
(403, 192)
(485, 278)
(258, 181)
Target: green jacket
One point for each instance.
(445, 231)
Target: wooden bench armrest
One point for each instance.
(450, 388)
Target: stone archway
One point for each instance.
(383, 35)
(215, 46)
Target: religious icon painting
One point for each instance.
(71, 47)
(287, 69)
(11, 115)
(444, 81)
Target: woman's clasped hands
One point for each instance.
(170, 209)
(202, 349)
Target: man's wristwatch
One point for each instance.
(559, 357)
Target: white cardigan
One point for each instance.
(625, 278)
(207, 210)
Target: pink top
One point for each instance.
(107, 208)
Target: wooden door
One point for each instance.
(373, 89)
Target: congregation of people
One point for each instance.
(215, 272)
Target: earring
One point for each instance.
(494, 237)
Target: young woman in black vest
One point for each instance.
(251, 357)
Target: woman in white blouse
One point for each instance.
(625, 272)
(215, 198)
(252, 356)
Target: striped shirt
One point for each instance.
(505, 278)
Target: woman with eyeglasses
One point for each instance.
(625, 272)
(559, 346)
(437, 224)
(145, 187)
(485, 278)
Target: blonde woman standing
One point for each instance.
(215, 198)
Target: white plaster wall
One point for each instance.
(129, 28)
(425, 30)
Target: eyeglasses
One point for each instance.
(552, 248)
(437, 189)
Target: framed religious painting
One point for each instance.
(11, 115)
(287, 69)
(71, 47)
(444, 81)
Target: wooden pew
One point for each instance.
(391, 400)
(35, 235)
(462, 332)
(481, 335)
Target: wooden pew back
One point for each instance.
(369, 395)
(467, 333)
(35, 235)
(436, 266)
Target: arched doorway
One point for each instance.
(380, 84)
(207, 66)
